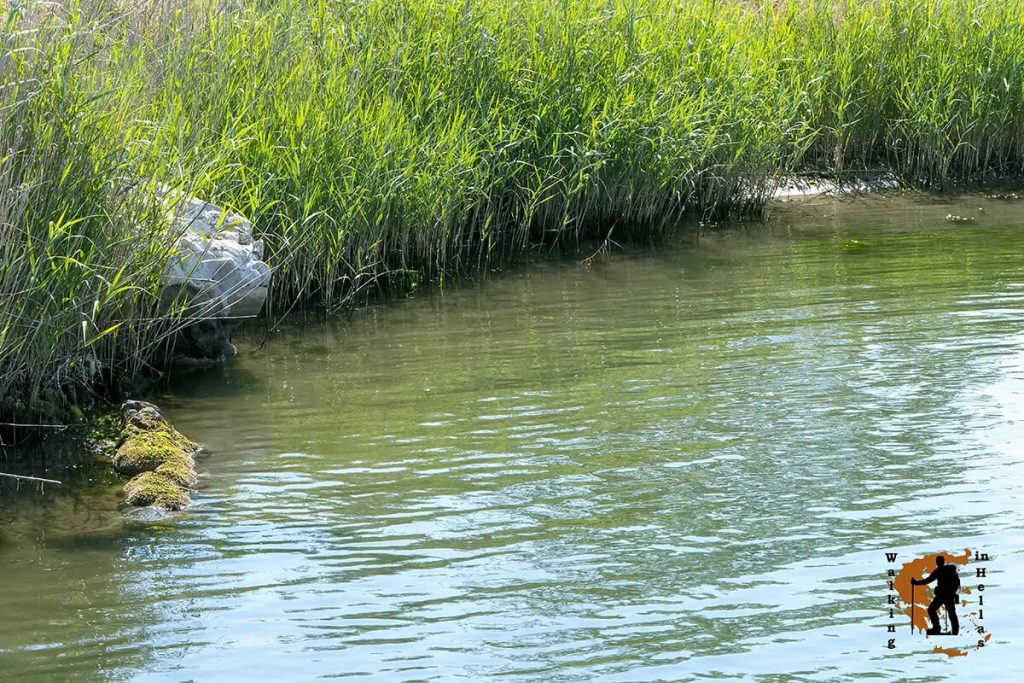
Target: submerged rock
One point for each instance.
(158, 457)
(218, 275)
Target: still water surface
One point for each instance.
(680, 463)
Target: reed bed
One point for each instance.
(383, 142)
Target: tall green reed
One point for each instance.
(380, 141)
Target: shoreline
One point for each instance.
(101, 437)
(792, 189)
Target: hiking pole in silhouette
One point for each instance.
(911, 608)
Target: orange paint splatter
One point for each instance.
(949, 651)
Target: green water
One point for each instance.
(680, 463)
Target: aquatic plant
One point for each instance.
(379, 142)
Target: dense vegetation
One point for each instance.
(394, 139)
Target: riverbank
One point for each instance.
(386, 144)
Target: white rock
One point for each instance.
(219, 268)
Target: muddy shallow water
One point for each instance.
(678, 463)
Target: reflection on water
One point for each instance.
(676, 464)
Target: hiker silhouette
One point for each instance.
(946, 587)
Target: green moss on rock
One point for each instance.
(179, 468)
(153, 488)
(148, 420)
(145, 451)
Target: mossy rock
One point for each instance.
(146, 421)
(157, 456)
(153, 488)
(140, 417)
(145, 451)
(179, 468)
(159, 426)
